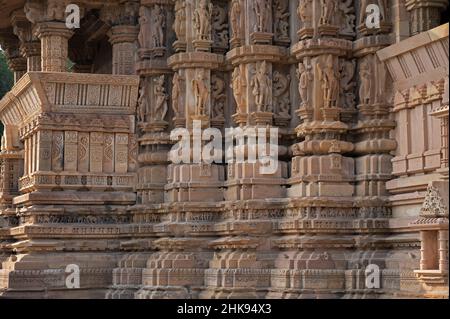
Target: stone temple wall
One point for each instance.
(89, 176)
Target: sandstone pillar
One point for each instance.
(54, 38)
(123, 40)
(325, 74)
(16, 62)
(373, 143)
(30, 46)
(425, 15)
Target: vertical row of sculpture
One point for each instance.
(373, 143)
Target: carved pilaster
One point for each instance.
(425, 15)
(373, 143)
(16, 63)
(123, 35)
(54, 38)
(30, 46)
(326, 86)
(123, 40)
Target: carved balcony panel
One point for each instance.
(76, 131)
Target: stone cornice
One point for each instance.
(39, 92)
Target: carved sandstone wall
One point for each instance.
(87, 177)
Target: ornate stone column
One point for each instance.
(425, 15)
(192, 103)
(16, 62)
(30, 46)
(49, 27)
(123, 35)
(373, 143)
(54, 38)
(325, 74)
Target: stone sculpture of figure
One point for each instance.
(220, 26)
(327, 11)
(365, 82)
(145, 24)
(158, 25)
(142, 104)
(161, 98)
(262, 88)
(304, 11)
(347, 71)
(382, 4)
(176, 89)
(305, 76)
(262, 9)
(235, 18)
(280, 92)
(380, 83)
(330, 82)
(201, 93)
(281, 18)
(347, 11)
(218, 96)
(202, 20)
(237, 84)
(179, 25)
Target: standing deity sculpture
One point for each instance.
(305, 76)
(179, 25)
(327, 11)
(262, 11)
(262, 88)
(237, 84)
(145, 27)
(281, 85)
(347, 71)
(304, 11)
(161, 98)
(330, 82)
(365, 75)
(142, 107)
(176, 90)
(235, 18)
(218, 96)
(201, 93)
(158, 25)
(202, 20)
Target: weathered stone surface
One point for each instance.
(88, 175)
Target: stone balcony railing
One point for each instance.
(75, 131)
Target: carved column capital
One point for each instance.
(123, 33)
(16, 62)
(425, 15)
(44, 29)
